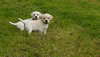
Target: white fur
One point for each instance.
(40, 25)
(20, 25)
(36, 15)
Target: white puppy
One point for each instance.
(35, 16)
(40, 25)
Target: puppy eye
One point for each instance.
(44, 18)
(48, 17)
(33, 14)
(37, 14)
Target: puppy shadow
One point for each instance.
(24, 34)
(34, 34)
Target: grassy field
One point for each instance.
(74, 31)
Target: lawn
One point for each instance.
(73, 32)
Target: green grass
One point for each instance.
(74, 31)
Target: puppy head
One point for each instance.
(36, 15)
(46, 18)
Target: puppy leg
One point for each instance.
(29, 31)
(22, 28)
(44, 32)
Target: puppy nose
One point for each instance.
(46, 21)
(36, 17)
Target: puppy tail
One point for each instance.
(21, 20)
(12, 23)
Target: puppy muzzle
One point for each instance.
(46, 22)
(36, 17)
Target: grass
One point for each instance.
(74, 31)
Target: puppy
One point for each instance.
(40, 25)
(35, 16)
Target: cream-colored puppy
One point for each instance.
(40, 25)
(35, 16)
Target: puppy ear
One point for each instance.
(40, 16)
(51, 17)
